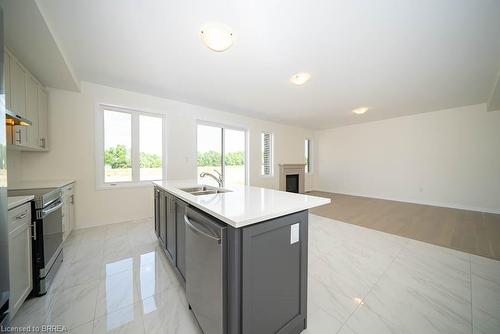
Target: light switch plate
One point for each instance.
(294, 233)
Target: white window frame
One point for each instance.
(272, 154)
(135, 149)
(229, 127)
(310, 168)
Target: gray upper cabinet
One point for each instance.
(26, 97)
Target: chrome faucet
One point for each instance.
(219, 179)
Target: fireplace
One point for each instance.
(292, 183)
(292, 177)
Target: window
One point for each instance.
(129, 146)
(222, 149)
(307, 151)
(267, 154)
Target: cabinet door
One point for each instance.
(163, 218)
(6, 71)
(17, 88)
(274, 275)
(43, 118)
(180, 230)
(20, 276)
(20, 135)
(71, 214)
(32, 111)
(65, 217)
(171, 227)
(157, 211)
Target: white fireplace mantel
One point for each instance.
(292, 169)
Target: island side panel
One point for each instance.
(274, 276)
(233, 288)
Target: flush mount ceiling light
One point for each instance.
(216, 36)
(300, 78)
(360, 111)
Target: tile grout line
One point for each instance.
(374, 284)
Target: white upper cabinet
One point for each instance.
(26, 97)
(6, 71)
(43, 117)
(32, 111)
(17, 88)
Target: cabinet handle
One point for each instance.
(72, 199)
(42, 142)
(34, 230)
(22, 215)
(18, 139)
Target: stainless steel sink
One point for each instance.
(204, 190)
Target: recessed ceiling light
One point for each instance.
(360, 111)
(300, 78)
(216, 36)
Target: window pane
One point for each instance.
(209, 152)
(266, 145)
(151, 147)
(307, 150)
(117, 146)
(234, 157)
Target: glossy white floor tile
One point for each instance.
(115, 279)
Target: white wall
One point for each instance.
(447, 158)
(72, 149)
(14, 167)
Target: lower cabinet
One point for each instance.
(68, 209)
(20, 266)
(180, 231)
(170, 226)
(165, 223)
(157, 211)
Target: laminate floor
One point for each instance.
(467, 231)
(116, 279)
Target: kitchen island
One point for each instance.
(240, 252)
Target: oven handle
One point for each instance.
(53, 207)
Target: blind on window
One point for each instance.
(266, 154)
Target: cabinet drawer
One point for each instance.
(19, 216)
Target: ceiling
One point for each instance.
(28, 35)
(396, 57)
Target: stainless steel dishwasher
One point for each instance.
(205, 267)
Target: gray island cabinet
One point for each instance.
(248, 279)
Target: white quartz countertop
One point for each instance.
(39, 184)
(15, 201)
(244, 205)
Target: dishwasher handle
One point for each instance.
(192, 226)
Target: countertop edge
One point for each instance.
(20, 201)
(236, 224)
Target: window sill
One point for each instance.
(267, 176)
(125, 185)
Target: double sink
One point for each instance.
(204, 190)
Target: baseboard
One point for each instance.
(111, 223)
(438, 204)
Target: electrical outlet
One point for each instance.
(294, 233)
